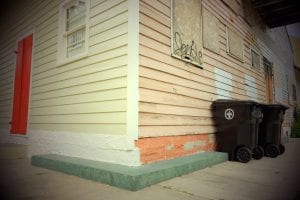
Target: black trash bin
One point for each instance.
(237, 125)
(270, 129)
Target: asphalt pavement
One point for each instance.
(268, 178)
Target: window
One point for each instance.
(187, 31)
(210, 31)
(255, 59)
(73, 33)
(235, 44)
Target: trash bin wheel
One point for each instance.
(243, 154)
(258, 153)
(281, 149)
(272, 150)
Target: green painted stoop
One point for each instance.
(130, 178)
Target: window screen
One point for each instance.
(187, 30)
(255, 59)
(210, 31)
(234, 44)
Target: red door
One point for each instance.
(22, 86)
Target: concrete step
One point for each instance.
(12, 151)
(126, 177)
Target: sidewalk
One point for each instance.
(264, 179)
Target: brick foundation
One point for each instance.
(168, 147)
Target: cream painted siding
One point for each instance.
(87, 95)
(175, 97)
(13, 27)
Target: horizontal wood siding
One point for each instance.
(88, 95)
(175, 97)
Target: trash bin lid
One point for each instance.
(280, 106)
(227, 102)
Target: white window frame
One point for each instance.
(227, 45)
(62, 33)
(260, 58)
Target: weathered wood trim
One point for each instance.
(133, 69)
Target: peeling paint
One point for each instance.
(211, 138)
(169, 147)
(193, 144)
(250, 87)
(107, 148)
(223, 84)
